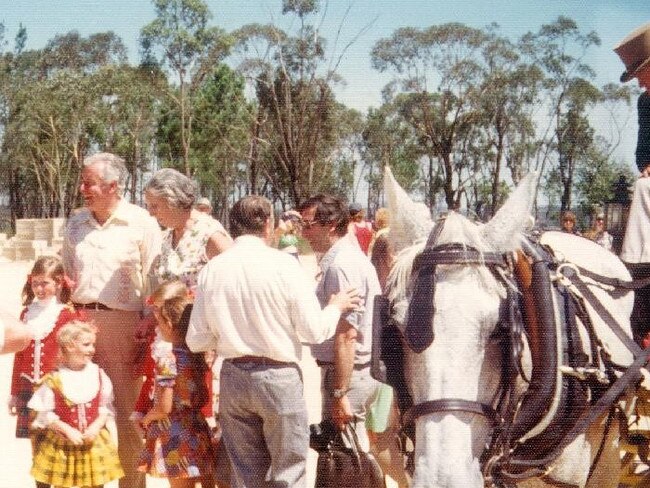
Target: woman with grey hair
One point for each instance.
(191, 238)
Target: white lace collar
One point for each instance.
(42, 315)
(80, 386)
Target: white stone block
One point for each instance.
(25, 229)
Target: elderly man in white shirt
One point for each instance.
(255, 305)
(108, 249)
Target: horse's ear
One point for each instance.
(503, 232)
(409, 221)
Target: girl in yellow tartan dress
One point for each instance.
(72, 445)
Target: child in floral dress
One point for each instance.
(178, 443)
(72, 405)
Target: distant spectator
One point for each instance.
(287, 232)
(568, 222)
(204, 205)
(360, 227)
(599, 234)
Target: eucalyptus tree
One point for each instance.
(295, 131)
(388, 140)
(221, 135)
(52, 119)
(180, 39)
(559, 49)
(438, 72)
(128, 108)
(506, 100)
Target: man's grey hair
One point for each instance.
(177, 189)
(113, 168)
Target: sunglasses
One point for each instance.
(308, 224)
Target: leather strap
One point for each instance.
(449, 405)
(615, 282)
(604, 314)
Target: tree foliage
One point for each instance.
(466, 114)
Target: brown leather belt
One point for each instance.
(91, 306)
(357, 366)
(259, 360)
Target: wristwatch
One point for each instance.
(339, 392)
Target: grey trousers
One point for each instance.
(363, 392)
(264, 419)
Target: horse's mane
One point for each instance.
(456, 229)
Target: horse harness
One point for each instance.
(565, 395)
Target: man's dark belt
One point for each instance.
(357, 366)
(260, 361)
(91, 306)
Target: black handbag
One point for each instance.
(341, 462)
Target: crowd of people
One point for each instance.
(141, 302)
(119, 335)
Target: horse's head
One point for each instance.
(459, 358)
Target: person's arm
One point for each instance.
(68, 431)
(643, 139)
(199, 336)
(149, 249)
(91, 433)
(14, 336)
(313, 323)
(162, 404)
(217, 243)
(106, 409)
(345, 339)
(164, 390)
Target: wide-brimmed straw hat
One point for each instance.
(634, 51)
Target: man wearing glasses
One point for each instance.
(346, 385)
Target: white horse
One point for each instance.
(463, 362)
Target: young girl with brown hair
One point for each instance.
(178, 443)
(46, 297)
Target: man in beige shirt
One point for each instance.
(108, 250)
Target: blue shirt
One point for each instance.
(345, 266)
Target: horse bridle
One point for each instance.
(424, 267)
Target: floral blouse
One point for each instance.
(184, 261)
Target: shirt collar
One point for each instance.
(250, 239)
(331, 253)
(121, 213)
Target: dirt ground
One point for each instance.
(16, 460)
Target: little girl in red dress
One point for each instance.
(46, 297)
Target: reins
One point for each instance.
(498, 460)
(424, 266)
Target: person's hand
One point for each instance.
(210, 357)
(152, 416)
(91, 434)
(74, 436)
(139, 428)
(347, 300)
(646, 172)
(341, 412)
(12, 404)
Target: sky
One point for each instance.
(610, 19)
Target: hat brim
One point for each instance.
(628, 75)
